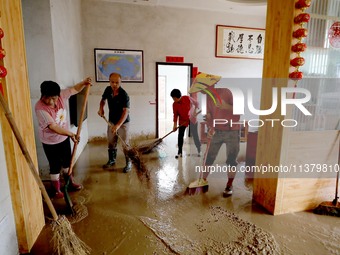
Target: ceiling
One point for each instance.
(252, 7)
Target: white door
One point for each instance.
(169, 77)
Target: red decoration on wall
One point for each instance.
(1, 89)
(299, 47)
(2, 53)
(174, 59)
(1, 33)
(3, 72)
(296, 75)
(334, 35)
(300, 4)
(302, 18)
(298, 61)
(301, 32)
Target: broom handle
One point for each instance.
(110, 124)
(27, 156)
(87, 91)
(337, 177)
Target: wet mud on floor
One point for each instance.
(127, 216)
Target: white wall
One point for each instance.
(158, 31)
(8, 240)
(54, 52)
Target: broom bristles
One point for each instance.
(147, 148)
(133, 154)
(65, 241)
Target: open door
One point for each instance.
(168, 77)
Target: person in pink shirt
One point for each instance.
(54, 132)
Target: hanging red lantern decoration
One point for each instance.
(300, 4)
(3, 72)
(2, 53)
(302, 18)
(298, 61)
(334, 35)
(301, 32)
(1, 33)
(299, 47)
(296, 75)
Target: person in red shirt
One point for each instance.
(181, 111)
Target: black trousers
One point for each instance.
(58, 155)
(181, 131)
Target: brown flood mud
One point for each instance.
(119, 214)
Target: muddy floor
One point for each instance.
(120, 214)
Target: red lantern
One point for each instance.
(296, 75)
(2, 53)
(1, 33)
(3, 72)
(299, 47)
(299, 61)
(300, 4)
(302, 18)
(301, 32)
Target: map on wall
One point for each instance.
(128, 63)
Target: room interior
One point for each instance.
(275, 198)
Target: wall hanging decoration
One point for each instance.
(128, 63)
(3, 70)
(239, 42)
(300, 19)
(334, 35)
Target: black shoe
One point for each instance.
(228, 191)
(109, 163)
(179, 155)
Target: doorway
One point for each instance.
(168, 77)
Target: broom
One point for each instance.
(134, 155)
(75, 146)
(200, 186)
(147, 148)
(65, 240)
(326, 207)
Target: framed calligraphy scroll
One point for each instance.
(239, 42)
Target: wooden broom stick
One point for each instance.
(27, 156)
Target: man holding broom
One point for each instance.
(54, 130)
(119, 105)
